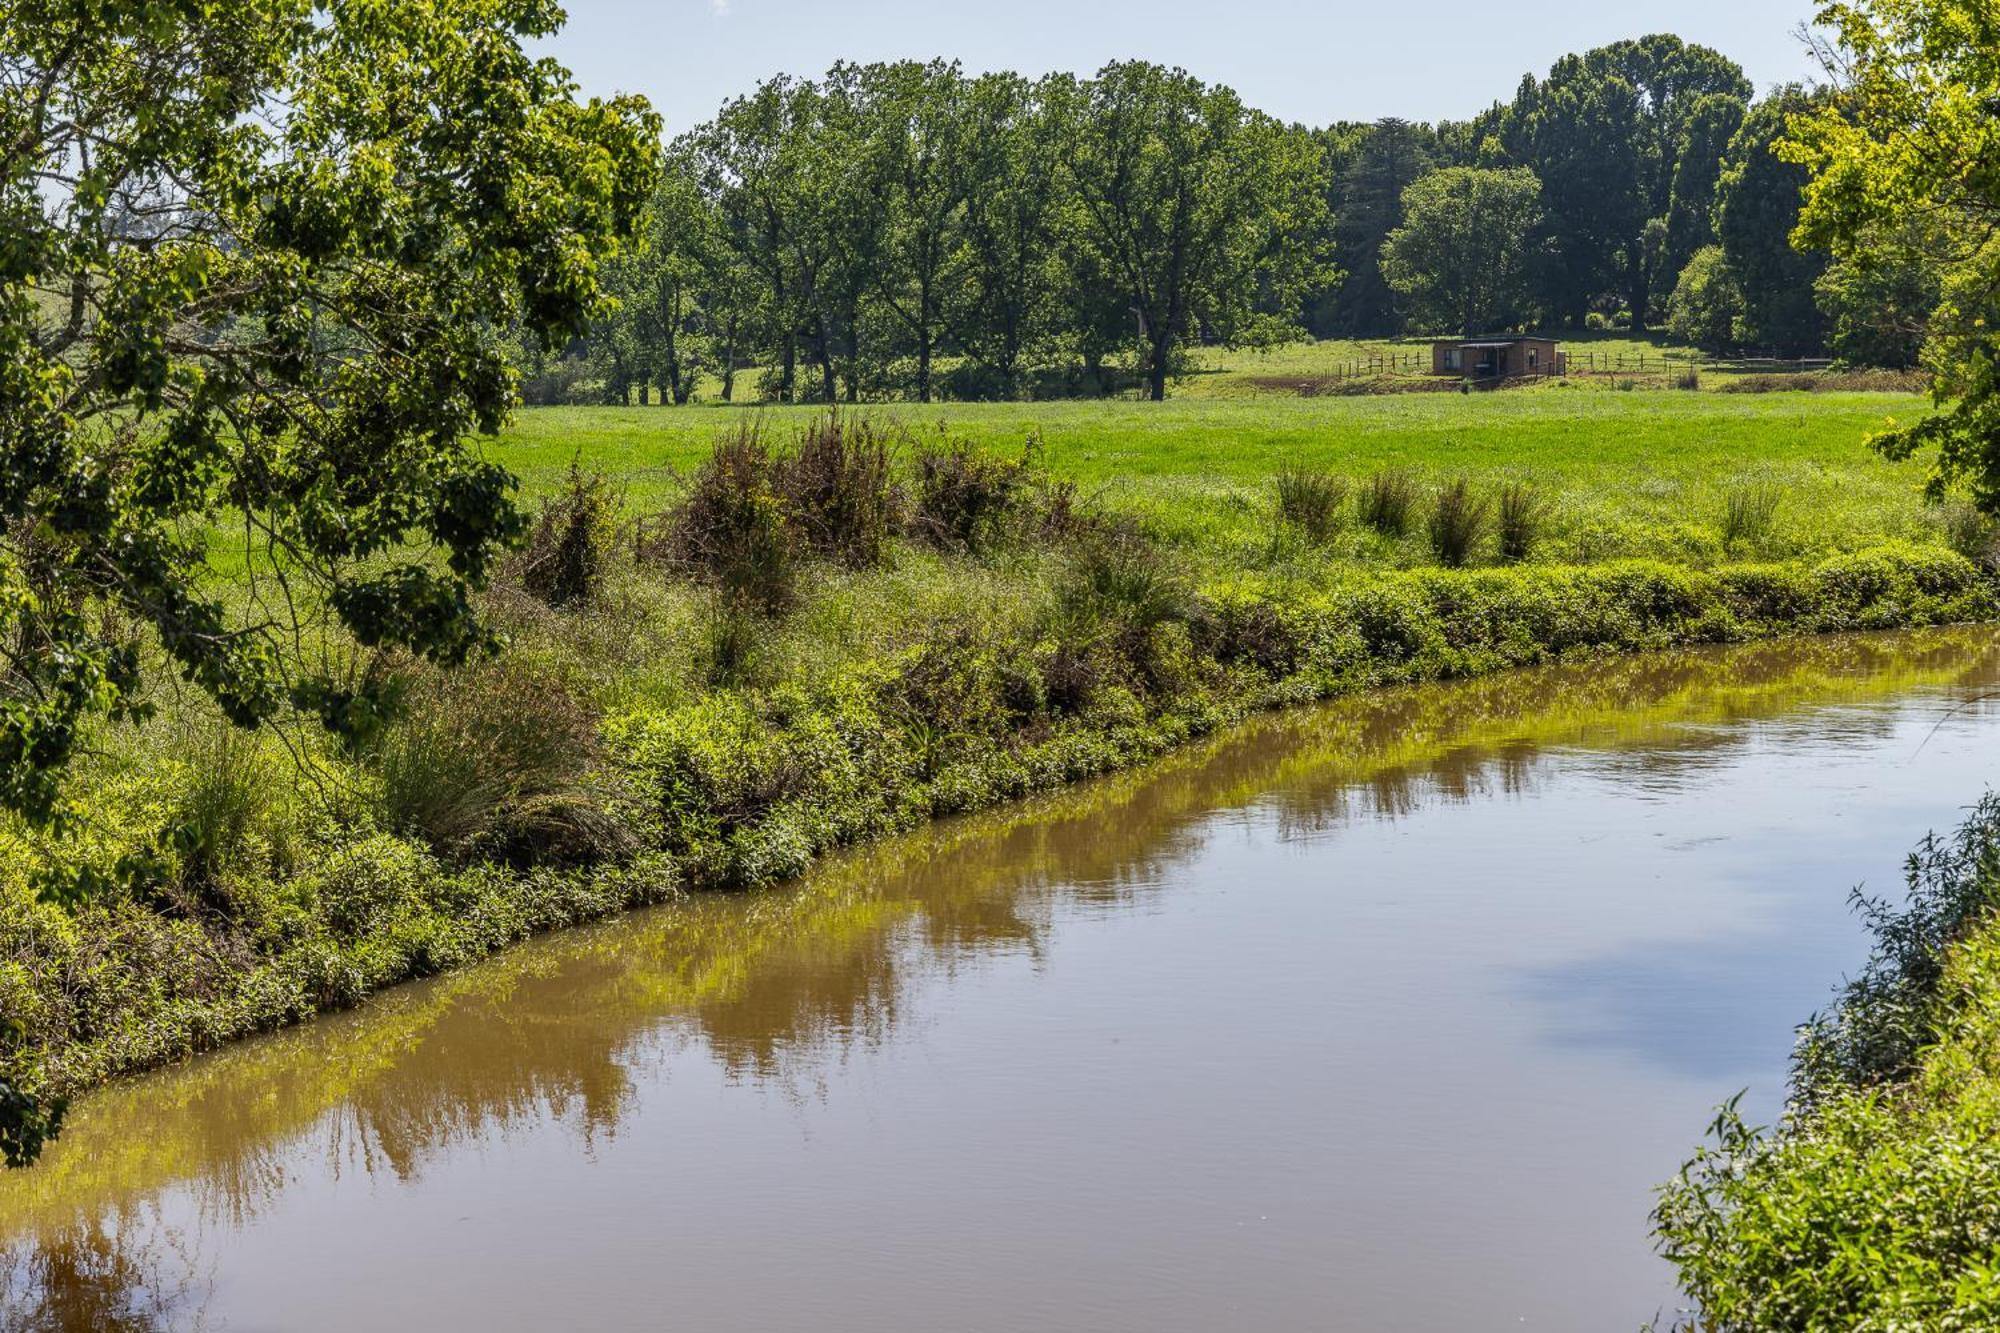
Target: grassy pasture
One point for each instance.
(1641, 473)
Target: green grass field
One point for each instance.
(1637, 473)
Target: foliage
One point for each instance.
(1204, 213)
(1706, 308)
(1757, 210)
(251, 264)
(1914, 138)
(1873, 1205)
(965, 496)
(732, 528)
(839, 490)
(1462, 258)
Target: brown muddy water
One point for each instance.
(1385, 1015)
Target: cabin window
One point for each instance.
(1531, 358)
(1451, 358)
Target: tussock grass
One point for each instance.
(1388, 502)
(1458, 522)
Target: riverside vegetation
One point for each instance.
(830, 628)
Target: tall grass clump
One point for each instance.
(1749, 511)
(1310, 499)
(1519, 514)
(563, 562)
(1388, 502)
(964, 497)
(494, 761)
(1457, 521)
(839, 487)
(731, 528)
(226, 794)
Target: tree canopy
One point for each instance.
(255, 258)
(1462, 258)
(1905, 167)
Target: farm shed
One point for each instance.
(1507, 357)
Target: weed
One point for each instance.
(1457, 522)
(731, 528)
(1388, 502)
(1972, 534)
(964, 496)
(1749, 512)
(1520, 513)
(564, 559)
(838, 486)
(1311, 499)
(493, 760)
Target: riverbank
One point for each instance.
(817, 642)
(1875, 1202)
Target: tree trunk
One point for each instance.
(729, 359)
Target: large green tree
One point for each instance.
(1391, 156)
(1202, 211)
(253, 257)
(1757, 209)
(1462, 258)
(1904, 166)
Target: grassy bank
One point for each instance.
(715, 675)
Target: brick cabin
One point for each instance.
(1502, 357)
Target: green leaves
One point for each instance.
(251, 255)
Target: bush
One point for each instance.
(838, 486)
(965, 497)
(1972, 534)
(564, 559)
(1388, 502)
(1521, 511)
(1310, 499)
(731, 528)
(1457, 522)
(1749, 511)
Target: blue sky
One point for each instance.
(1315, 62)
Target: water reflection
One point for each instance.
(132, 1215)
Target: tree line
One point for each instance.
(909, 230)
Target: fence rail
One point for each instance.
(1586, 361)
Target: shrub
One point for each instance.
(1520, 512)
(1749, 511)
(964, 497)
(838, 486)
(1310, 499)
(1388, 502)
(1457, 522)
(493, 760)
(226, 791)
(1971, 533)
(564, 559)
(731, 528)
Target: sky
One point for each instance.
(1297, 60)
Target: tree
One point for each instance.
(1908, 153)
(1707, 304)
(918, 119)
(1757, 208)
(1013, 216)
(1689, 222)
(1462, 258)
(1392, 156)
(1607, 132)
(1878, 298)
(1200, 209)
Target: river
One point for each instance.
(1383, 1015)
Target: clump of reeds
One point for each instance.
(1457, 521)
(1388, 502)
(1311, 499)
(1519, 514)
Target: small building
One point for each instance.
(1497, 357)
